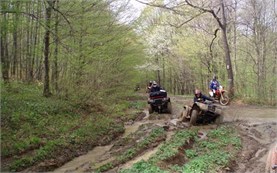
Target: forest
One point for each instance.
(97, 47)
(64, 59)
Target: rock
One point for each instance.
(174, 122)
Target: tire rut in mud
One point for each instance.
(256, 141)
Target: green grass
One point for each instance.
(170, 148)
(205, 155)
(35, 128)
(144, 167)
(213, 153)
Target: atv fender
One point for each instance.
(200, 106)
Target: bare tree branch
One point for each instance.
(187, 21)
(71, 28)
(20, 12)
(165, 7)
(207, 10)
(215, 35)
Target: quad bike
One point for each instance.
(202, 113)
(159, 102)
(220, 95)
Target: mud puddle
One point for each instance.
(104, 154)
(82, 163)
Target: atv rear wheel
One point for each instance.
(169, 108)
(193, 117)
(150, 109)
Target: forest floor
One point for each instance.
(256, 127)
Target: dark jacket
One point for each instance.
(154, 89)
(202, 98)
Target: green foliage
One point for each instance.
(201, 155)
(23, 162)
(170, 148)
(127, 155)
(34, 128)
(144, 167)
(105, 167)
(190, 153)
(211, 154)
(137, 104)
(206, 162)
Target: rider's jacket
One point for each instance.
(214, 85)
(154, 89)
(201, 99)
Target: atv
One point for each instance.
(202, 113)
(159, 102)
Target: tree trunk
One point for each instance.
(46, 90)
(28, 45)
(235, 39)
(227, 52)
(55, 70)
(4, 51)
(15, 45)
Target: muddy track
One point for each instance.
(257, 127)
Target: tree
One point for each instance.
(4, 45)
(223, 26)
(46, 90)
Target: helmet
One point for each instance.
(214, 77)
(155, 83)
(197, 92)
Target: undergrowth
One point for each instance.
(35, 128)
(199, 155)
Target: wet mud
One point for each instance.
(257, 127)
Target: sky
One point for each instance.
(133, 11)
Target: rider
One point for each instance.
(199, 97)
(155, 87)
(149, 86)
(214, 86)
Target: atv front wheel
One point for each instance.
(193, 117)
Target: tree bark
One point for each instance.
(46, 90)
(228, 62)
(55, 70)
(4, 51)
(15, 42)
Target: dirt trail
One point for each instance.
(257, 127)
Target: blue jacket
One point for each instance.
(214, 85)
